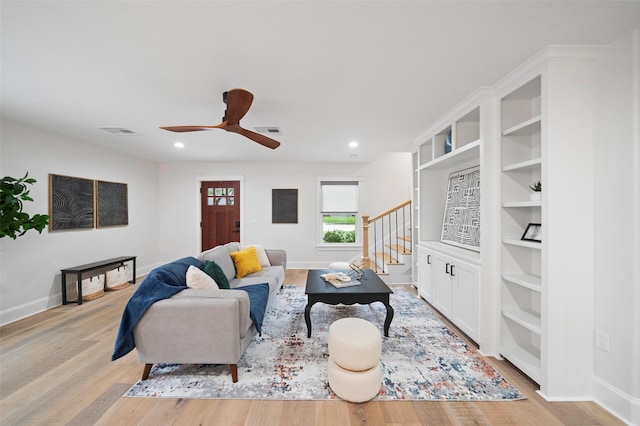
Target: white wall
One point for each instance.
(30, 266)
(164, 212)
(617, 227)
(386, 183)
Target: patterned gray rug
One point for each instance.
(421, 359)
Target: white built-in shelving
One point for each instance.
(521, 151)
(534, 297)
(448, 277)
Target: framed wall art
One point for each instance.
(284, 206)
(71, 203)
(461, 221)
(112, 204)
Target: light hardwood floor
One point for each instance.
(55, 369)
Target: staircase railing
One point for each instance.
(398, 228)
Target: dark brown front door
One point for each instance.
(220, 201)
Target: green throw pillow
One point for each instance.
(215, 271)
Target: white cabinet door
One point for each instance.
(466, 294)
(425, 281)
(442, 284)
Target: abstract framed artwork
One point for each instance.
(461, 221)
(71, 203)
(284, 206)
(112, 204)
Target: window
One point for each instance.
(338, 211)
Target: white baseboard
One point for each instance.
(31, 308)
(308, 265)
(617, 402)
(28, 309)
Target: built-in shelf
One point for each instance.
(524, 127)
(531, 282)
(523, 165)
(518, 204)
(522, 290)
(526, 357)
(528, 319)
(461, 155)
(522, 243)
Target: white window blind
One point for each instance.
(339, 197)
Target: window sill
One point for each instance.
(338, 246)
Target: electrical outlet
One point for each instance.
(602, 340)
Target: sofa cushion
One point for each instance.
(197, 278)
(245, 261)
(272, 275)
(216, 273)
(220, 255)
(233, 246)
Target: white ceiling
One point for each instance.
(325, 73)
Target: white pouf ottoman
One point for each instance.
(354, 370)
(354, 344)
(354, 386)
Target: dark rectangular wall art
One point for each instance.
(461, 221)
(284, 206)
(113, 206)
(71, 202)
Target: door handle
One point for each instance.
(452, 270)
(446, 268)
(428, 259)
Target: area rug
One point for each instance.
(421, 359)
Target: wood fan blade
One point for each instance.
(257, 137)
(238, 103)
(191, 128)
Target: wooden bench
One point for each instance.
(89, 267)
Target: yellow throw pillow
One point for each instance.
(246, 261)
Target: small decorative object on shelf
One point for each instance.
(533, 233)
(537, 191)
(447, 143)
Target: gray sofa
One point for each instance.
(206, 326)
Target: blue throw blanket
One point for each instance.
(161, 283)
(258, 298)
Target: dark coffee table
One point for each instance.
(372, 289)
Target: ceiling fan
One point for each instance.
(238, 102)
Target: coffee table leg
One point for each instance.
(388, 319)
(307, 317)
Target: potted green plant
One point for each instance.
(537, 191)
(13, 221)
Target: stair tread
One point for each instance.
(400, 249)
(387, 259)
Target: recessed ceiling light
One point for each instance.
(353, 144)
(178, 145)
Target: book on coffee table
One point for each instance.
(342, 284)
(340, 280)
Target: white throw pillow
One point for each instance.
(197, 278)
(262, 255)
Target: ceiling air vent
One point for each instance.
(119, 131)
(268, 130)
